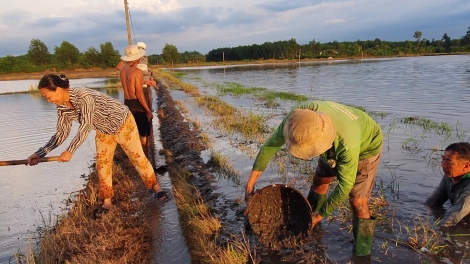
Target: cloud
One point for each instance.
(285, 5)
(208, 24)
(335, 21)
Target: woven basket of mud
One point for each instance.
(279, 215)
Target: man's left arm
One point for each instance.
(458, 210)
(347, 164)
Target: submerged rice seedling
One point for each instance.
(429, 125)
(224, 167)
(175, 82)
(229, 118)
(237, 89)
(260, 93)
(113, 83)
(269, 95)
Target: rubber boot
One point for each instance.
(363, 231)
(316, 200)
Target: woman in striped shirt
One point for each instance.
(113, 124)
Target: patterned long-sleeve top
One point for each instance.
(92, 110)
(459, 196)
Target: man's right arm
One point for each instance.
(439, 196)
(266, 152)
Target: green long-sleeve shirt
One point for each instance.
(358, 137)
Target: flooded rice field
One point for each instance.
(435, 90)
(432, 91)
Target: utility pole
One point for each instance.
(126, 9)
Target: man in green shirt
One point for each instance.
(348, 143)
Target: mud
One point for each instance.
(181, 145)
(279, 216)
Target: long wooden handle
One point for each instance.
(25, 161)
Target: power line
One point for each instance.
(132, 25)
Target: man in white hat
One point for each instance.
(348, 143)
(143, 66)
(134, 97)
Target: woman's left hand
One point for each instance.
(65, 156)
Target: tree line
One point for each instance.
(290, 49)
(67, 56)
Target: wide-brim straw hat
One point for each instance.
(132, 53)
(308, 133)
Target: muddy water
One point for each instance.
(31, 195)
(436, 88)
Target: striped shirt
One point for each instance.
(92, 110)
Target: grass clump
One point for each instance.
(224, 167)
(261, 93)
(237, 89)
(231, 119)
(427, 125)
(201, 228)
(422, 235)
(113, 83)
(269, 95)
(174, 82)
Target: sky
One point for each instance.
(203, 25)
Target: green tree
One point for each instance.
(170, 54)
(466, 39)
(109, 56)
(191, 57)
(312, 49)
(66, 53)
(447, 42)
(38, 53)
(418, 35)
(7, 64)
(155, 59)
(377, 43)
(90, 58)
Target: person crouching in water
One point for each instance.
(113, 124)
(454, 185)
